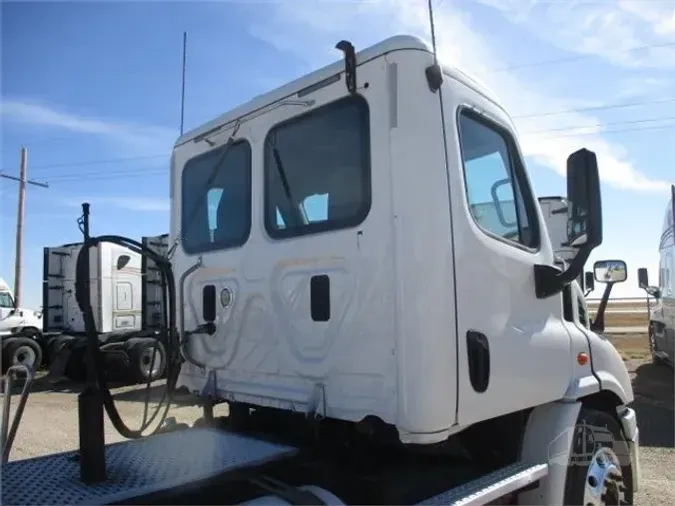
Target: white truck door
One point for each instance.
(6, 307)
(514, 349)
(126, 281)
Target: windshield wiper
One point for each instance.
(296, 215)
(206, 187)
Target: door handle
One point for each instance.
(478, 355)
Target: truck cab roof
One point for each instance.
(296, 87)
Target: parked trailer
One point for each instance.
(662, 315)
(384, 343)
(118, 291)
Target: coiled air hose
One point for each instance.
(83, 296)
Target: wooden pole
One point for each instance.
(23, 182)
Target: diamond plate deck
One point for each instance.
(491, 486)
(135, 467)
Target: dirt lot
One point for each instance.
(622, 319)
(50, 419)
(653, 387)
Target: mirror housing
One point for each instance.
(584, 222)
(643, 282)
(589, 281)
(610, 271)
(584, 209)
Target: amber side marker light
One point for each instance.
(582, 358)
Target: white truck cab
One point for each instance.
(363, 272)
(662, 314)
(370, 245)
(17, 319)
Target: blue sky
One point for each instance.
(92, 90)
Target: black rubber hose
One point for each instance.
(83, 299)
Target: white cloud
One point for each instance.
(129, 203)
(34, 113)
(311, 31)
(611, 30)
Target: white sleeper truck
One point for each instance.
(662, 315)
(361, 270)
(122, 291)
(20, 332)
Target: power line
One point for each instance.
(576, 58)
(525, 116)
(603, 125)
(606, 132)
(99, 162)
(122, 175)
(595, 108)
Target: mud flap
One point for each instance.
(60, 353)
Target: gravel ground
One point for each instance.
(653, 387)
(50, 420)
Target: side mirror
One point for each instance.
(643, 278)
(584, 210)
(610, 271)
(589, 281)
(584, 223)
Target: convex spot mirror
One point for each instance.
(584, 210)
(610, 271)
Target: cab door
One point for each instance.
(7, 318)
(514, 349)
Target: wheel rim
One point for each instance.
(604, 480)
(24, 355)
(146, 361)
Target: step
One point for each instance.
(136, 467)
(491, 486)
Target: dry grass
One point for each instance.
(626, 319)
(632, 346)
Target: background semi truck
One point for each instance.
(393, 343)
(124, 293)
(662, 314)
(20, 332)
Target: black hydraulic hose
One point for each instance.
(82, 295)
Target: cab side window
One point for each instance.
(6, 301)
(500, 200)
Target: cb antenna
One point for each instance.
(182, 91)
(433, 72)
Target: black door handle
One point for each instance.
(478, 354)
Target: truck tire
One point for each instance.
(140, 350)
(21, 350)
(599, 470)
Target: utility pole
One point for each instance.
(23, 181)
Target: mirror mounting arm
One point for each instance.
(598, 323)
(549, 280)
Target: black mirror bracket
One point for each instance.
(550, 280)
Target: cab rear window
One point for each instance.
(317, 170)
(216, 199)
